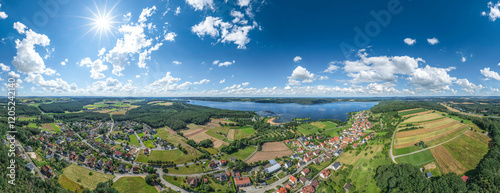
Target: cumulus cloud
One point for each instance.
(201, 4)
(221, 64)
(301, 75)
(222, 81)
(204, 81)
(3, 15)
(245, 84)
(111, 85)
(126, 18)
(178, 10)
(101, 52)
(379, 68)
(224, 32)
(410, 41)
(56, 85)
(432, 78)
(494, 12)
(27, 60)
(168, 79)
(176, 62)
(433, 41)
(490, 74)
(146, 12)
(96, 67)
(297, 59)
(468, 86)
(63, 63)
(4, 67)
(323, 78)
(331, 67)
(243, 3)
(170, 36)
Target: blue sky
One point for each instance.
(250, 48)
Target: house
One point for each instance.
(82, 158)
(317, 161)
(465, 179)
(99, 163)
(336, 165)
(325, 173)
(146, 151)
(307, 189)
(428, 174)
(288, 164)
(122, 168)
(303, 179)
(272, 168)
(212, 165)
(193, 182)
(242, 181)
(305, 172)
(118, 154)
(223, 162)
(30, 167)
(272, 162)
(292, 179)
(28, 149)
(295, 156)
(315, 184)
(135, 170)
(221, 177)
(282, 190)
(47, 170)
(301, 163)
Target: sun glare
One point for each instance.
(101, 21)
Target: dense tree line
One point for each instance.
(20, 110)
(479, 108)
(178, 115)
(71, 106)
(390, 106)
(71, 117)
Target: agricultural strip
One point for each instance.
(446, 161)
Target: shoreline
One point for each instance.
(271, 121)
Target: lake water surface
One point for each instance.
(288, 111)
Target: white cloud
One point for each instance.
(138, 76)
(245, 84)
(490, 74)
(432, 78)
(3, 15)
(331, 67)
(494, 89)
(222, 81)
(301, 75)
(224, 32)
(96, 67)
(468, 86)
(4, 67)
(101, 52)
(204, 81)
(13, 74)
(238, 17)
(433, 41)
(297, 59)
(170, 36)
(379, 68)
(243, 3)
(127, 17)
(494, 13)
(176, 62)
(27, 60)
(201, 4)
(463, 59)
(109, 86)
(410, 41)
(146, 12)
(323, 78)
(56, 85)
(178, 10)
(64, 62)
(221, 64)
(49, 71)
(168, 79)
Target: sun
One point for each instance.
(102, 21)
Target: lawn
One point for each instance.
(166, 155)
(307, 129)
(134, 141)
(363, 177)
(192, 169)
(405, 150)
(177, 181)
(467, 151)
(332, 132)
(133, 184)
(214, 134)
(244, 132)
(68, 184)
(32, 125)
(76, 173)
(244, 153)
(149, 144)
(417, 159)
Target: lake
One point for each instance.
(289, 111)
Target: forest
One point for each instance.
(178, 115)
(390, 106)
(70, 106)
(21, 109)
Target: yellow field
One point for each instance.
(446, 161)
(198, 133)
(441, 124)
(421, 118)
(318, 124)
(478, 137)
(350, 157)
(408, 110)
(416, 114)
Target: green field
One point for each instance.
(166, 155)
(417, 159)
(467, 151)
(68, 184)
(412, 112)
(307, 129)
(363, 177)
(149, 144)
(244, 153)
(134, 141)
(32, 125)
(192, 169)
(243, 132)
(133, 184)
(76, 173)
(405, 150)
(176, 181)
